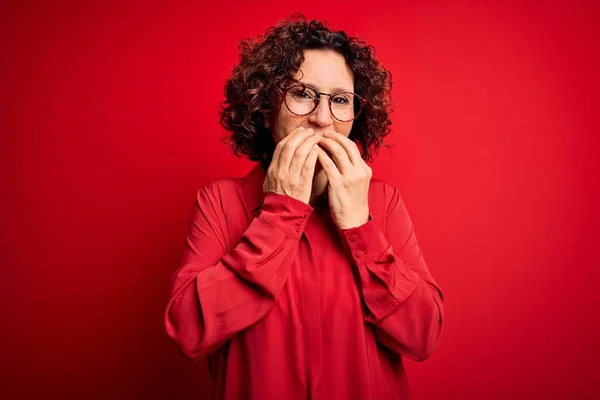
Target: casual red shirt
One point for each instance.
(287, 306)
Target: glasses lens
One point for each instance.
(346, 106)
(301, 100)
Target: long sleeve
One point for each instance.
(218, 292)
(404, 303)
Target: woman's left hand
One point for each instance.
(349, 177)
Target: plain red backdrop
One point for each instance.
(109, 125)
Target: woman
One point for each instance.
(304, 279)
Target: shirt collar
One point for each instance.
(253, 187)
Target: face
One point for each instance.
(326, 72)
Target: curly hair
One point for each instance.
(256, 88)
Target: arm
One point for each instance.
(217, 293)
(404, 302)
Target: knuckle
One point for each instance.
(287, 147)
(299, 155)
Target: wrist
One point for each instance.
(354, 223)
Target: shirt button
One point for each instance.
(316, 396)
(353, 238)
(298, 229)
(358, 254)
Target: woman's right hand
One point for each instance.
(293, 165)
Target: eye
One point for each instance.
(300, 93)
(342, 99)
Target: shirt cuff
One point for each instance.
(285, 213)
(374, 257)
(365, 243)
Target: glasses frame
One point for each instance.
(363, 102)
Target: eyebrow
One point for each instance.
(333, 90)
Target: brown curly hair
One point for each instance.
(255, 91)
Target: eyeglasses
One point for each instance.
(345, 107)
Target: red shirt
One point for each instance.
(287, 306)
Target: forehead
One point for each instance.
(325, 70)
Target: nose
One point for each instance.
(321, 116)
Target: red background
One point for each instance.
(109, 125)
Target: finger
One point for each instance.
(302, 152)
(289, 148)
(277, 153)
(338, 154)
(347, 144)
(332, 172)
(308, 169)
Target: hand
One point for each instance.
(349, 178)
(293, 165)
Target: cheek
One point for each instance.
(343, 127)
(285, 123)
(278, 129)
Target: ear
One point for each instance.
(267, 123)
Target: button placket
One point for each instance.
(312, 313)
